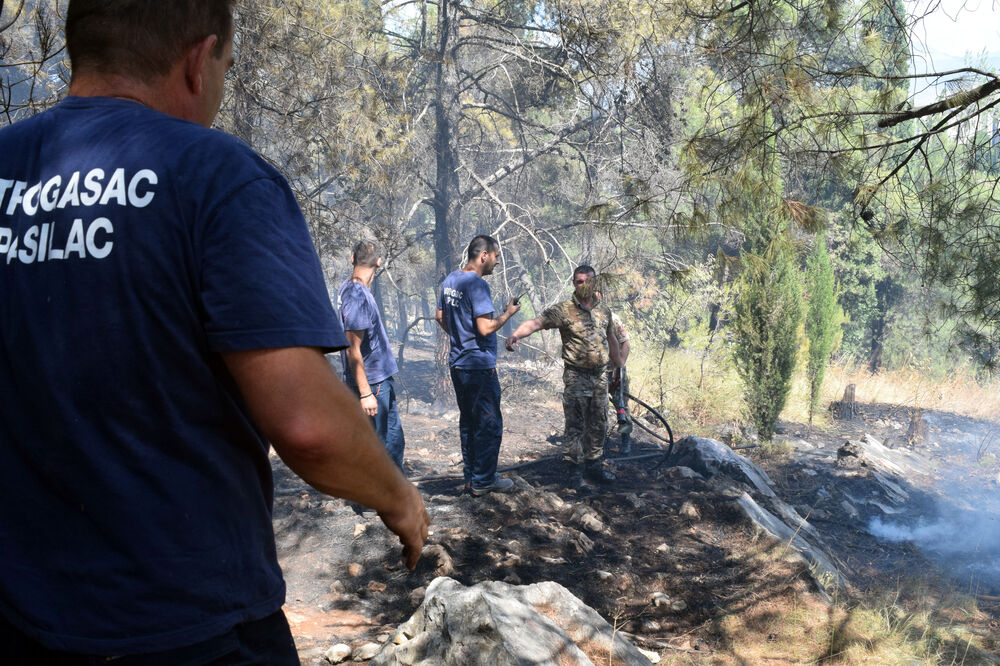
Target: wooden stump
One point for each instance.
(916, 434)
(846, 408)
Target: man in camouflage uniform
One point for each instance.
(589, 342)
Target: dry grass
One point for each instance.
(913, 625)
(698, 394)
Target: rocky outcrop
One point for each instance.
(496, 624)
(768, 513)
(709, 457)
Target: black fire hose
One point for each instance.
(670, 433)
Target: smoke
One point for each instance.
(966, 543)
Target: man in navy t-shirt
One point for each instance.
(163, 317)
(465, 312)
(368, 362)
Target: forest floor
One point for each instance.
(735, 598)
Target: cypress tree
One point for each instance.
(821, 319)
(766, 318)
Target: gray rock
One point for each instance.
(339, 653)
(495, 624)
(681, 472)
(367, 651)
(709, 457)
(689, 510)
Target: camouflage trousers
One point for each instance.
(585, 404)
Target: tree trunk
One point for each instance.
(847, 408)
(887, 292)
(447, 202)
(402, 317)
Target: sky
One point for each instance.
(954, 30)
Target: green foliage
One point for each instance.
(765, 322)
(821, 319)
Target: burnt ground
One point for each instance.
(613, 548)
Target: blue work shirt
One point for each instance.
(359, 312)
(464, 297)
(136, 492)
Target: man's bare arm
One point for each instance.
(625, 348)
(524, 330)
(356, 362)
(314, 423)
(487, 324)
(439, 318)
(614, 350)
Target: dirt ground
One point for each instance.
(613, 548)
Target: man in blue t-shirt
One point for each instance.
(465, 312)
(368, 362)
(163, 319)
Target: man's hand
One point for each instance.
(409, 522)
(512, 308)
(314, 423)
(369, 405)
(511, 342)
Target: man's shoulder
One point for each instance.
(557, 311)
(465, 280)
(351, 289)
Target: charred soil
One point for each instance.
(663, 555)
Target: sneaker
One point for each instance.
(499, 485)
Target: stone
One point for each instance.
(495, 624)
(359, 529)
(634, 500)
(849, 508)
(849, 455)
(689, 510)
(710, 457)
(588, 519)
(338, 654)
(417, 595)
(367, 651)
(438, 557)
(653, 657)
(659, 599)
(604, 575)
(354, 569)
(663, 548)
(682, 472)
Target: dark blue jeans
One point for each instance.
(386, 422)
(480, 423)
(265, 642)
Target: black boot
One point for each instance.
(594, 471)
(577, 481)
(625, 448)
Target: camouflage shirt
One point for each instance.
(584, 332)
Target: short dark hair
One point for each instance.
(482, 243)
(584, 269)
(142, 38)
(365, 253)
